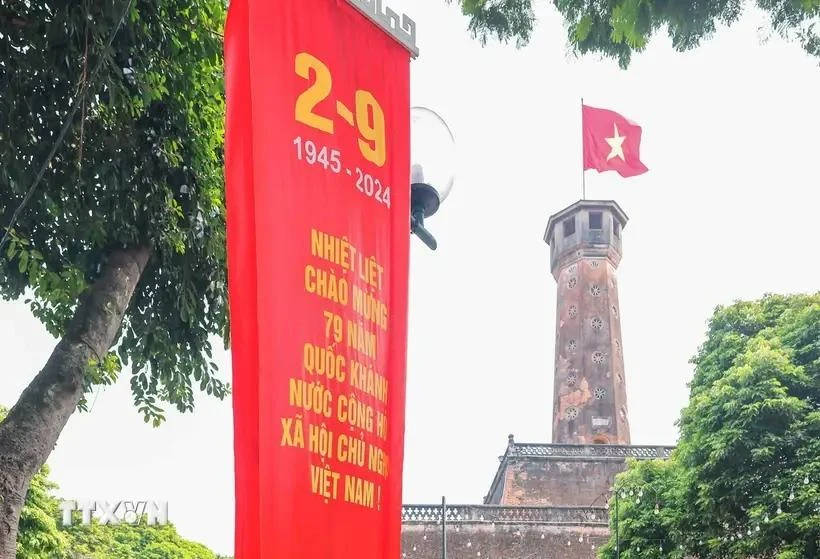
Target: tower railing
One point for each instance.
(536, 450)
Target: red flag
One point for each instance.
(611, 142)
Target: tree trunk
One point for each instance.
(32, 426)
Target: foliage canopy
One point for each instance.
(745, 478)
(618, 28)
(41, 535)
(126, 541)
(141, 165)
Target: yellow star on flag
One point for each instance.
(616, 145)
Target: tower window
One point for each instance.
(596, 220)
(569, 226)
(616, 227)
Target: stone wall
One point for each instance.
(487, 540)
(562, 475)
(495, 532)
(567, 482)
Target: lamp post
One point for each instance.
(443, 528)
(617, 530)
(432, 150)
(619, 493)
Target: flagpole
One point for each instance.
(583, 172)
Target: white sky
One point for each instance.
(731, 139)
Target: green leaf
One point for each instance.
(583, 28)
(22, 264)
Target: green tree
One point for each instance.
(645, 518)
(122, 244)
(42, 537)
(126, 541)
(39, 537)
(746, 471)
(618, 28)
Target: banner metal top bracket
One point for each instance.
(401, 28)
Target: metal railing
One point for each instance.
(596, 450)
(504, 514)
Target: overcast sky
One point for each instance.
(727, 211)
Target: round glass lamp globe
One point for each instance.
(432, 151)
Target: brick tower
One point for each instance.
(548, 499)
(589, 403)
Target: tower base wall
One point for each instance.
(562, 475)
(576, 482)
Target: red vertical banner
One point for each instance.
(317, 171)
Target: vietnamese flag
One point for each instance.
(611, 142)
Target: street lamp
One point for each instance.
(621, 493)
(432, 154)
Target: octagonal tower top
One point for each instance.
(586, 229)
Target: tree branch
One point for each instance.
(7, 16)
